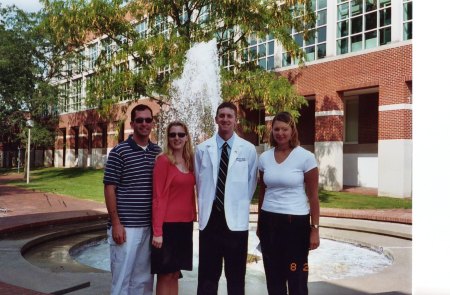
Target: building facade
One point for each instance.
(357, 79)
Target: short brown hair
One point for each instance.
(140, 108)
(227, 104)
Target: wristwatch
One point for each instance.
(316, 226)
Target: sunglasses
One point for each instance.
(141, 120)
(180, 134)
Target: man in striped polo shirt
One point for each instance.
(128, 184)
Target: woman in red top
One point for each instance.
(173, 209)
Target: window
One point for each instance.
(142, 28)
(63, 97)
(161, 26)
(362, 24)
(204, 13)
(110, 48)
(92, 55)
(75, 95)
(260, 50)
(351, 120)
(225, 40)
(407, 19)
(315, 47)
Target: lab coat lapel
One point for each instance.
(236, 149)
(212, 151)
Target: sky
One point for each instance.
(26, 5)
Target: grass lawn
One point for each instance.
(87, 184)
(75, 182)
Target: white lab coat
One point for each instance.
(239, 187)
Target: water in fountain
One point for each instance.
(332, 260)
(195, 96)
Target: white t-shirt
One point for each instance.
(285, 191)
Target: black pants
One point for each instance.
(218, 244)
(285, 248)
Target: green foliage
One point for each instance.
(160, 54)
(24, 79)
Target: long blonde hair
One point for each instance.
(188, 151)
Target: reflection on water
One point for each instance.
(333, 260)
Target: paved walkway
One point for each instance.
(21, 209)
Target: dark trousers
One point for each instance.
(218, 244)
(285, 248)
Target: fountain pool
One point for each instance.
(333, 260)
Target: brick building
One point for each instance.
(357, 79)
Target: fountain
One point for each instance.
(194, 97)
(193, 100)
(331, 261)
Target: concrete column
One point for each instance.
(395, 168)
(329, 155)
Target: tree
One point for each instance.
(25, 91)
(174, 26)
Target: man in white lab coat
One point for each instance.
(224, 194)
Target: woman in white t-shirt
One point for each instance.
(288, 223)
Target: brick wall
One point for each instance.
(390, 70)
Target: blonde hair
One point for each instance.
(188, 151)
(288, 119)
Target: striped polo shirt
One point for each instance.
(130, 168)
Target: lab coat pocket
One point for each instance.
(239, 170)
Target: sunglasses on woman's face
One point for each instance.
(180, 134)
(141, 120)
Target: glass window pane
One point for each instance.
(270, 63)
(384, 3)
(313, 4)
(299, 39)
(357, 7)
(407, 31)
(311, 40)
(371, 5)
(343, 11)
(342, 46)
(252, 40)
(342, 28)
(271, 48)
(262, 63)
(385, 17)
(321, 50)
(286, 61)
(371, 21)
(385, 36)
(322, 4)
(262, 50)
(371, 39)
(356, 43)
(321, 17)
(351, 120)
(245, 55)
(407, 11)
(310, 53)
(252, 53)
(356, 24)
(322, 34)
